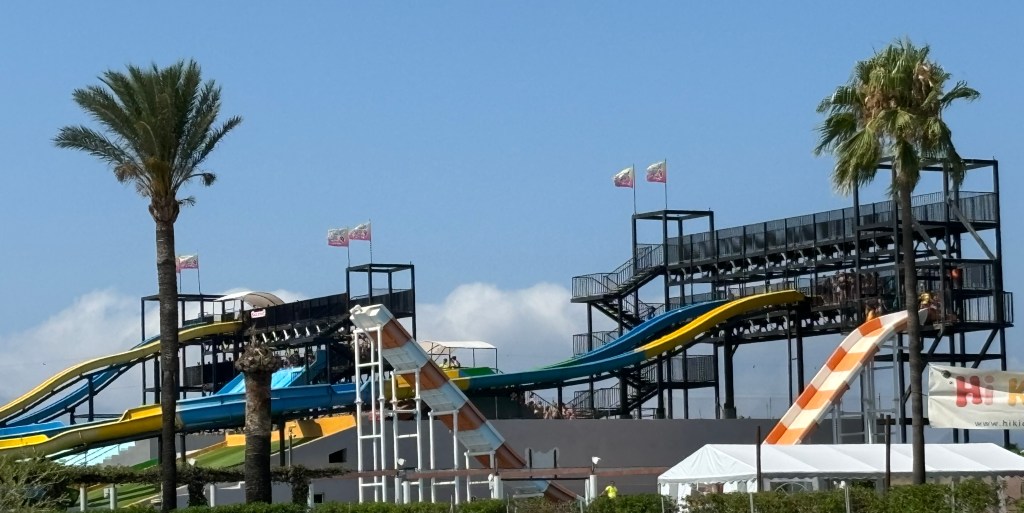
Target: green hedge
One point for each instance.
(970, 496)
(642, 503)
(371, 507)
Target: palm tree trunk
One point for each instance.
(167, 291)
(257, 436)
(916, 347)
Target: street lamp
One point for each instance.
(592, 480)
(403, 488)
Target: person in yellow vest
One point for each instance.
(611, 491)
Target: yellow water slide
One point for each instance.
(683, 336)
(136, 421)
(76, 371)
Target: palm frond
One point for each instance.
(156, 127)
(892, 105)
(960, 91)
(94, 143)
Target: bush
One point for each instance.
(976, 496)
(32, 484)
(483, 506)
(539, 505)
(248, 508)
(368, 507)
(971, 496)
(643, 503)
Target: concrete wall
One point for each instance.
(619, 443)
(148, 449)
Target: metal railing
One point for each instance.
(601, 338)
(642, 310)
(821, 228)
(699, 369)
(983, 309)
(648, 257)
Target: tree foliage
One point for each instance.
(891, 110)
(157, 126)
(33, 485)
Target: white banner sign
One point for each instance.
(960, 397)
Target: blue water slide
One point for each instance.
(77, 396)
(640, 335)
(283, 379)
(227, 410)
(653, 345)
(31, 429)
(286, 377)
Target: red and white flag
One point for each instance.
(338, 237)
(658, 172)
(624, 178)
(187, 262)
(360, 232)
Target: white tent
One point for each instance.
(734, 467)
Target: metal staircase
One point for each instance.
(642, 385)
(627, 278)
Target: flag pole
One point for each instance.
(348, 250)
(370, 223)
(199, 282)
(665, 184)
(632, 169)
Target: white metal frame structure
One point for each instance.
(434, 482)
(469, 427)
(370, 431)
(402, 495)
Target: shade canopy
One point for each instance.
(432, 346)
(253, 298)
(721, 463)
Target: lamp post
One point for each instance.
(592, 480)
(403, 488)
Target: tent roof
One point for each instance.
(253, 298)
(720, 463)
(430, 345)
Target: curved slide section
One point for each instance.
(641, 334)
(211, 412)
(680, 337)
(74, 372)
(833, 379)
(94, 383)
(474, 431)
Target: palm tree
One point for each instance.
(258, 363)
(892, 107)
(156, 128)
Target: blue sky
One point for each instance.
(479, 137)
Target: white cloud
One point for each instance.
(531, 327)
(96, 324)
